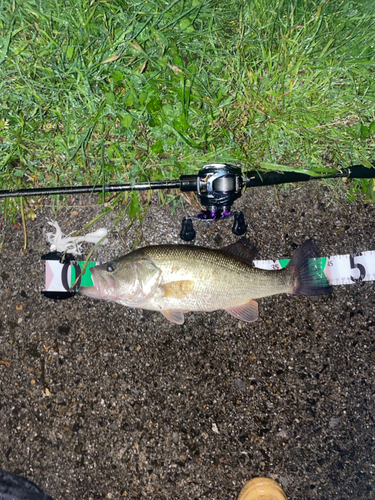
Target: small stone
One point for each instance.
(334, 422)
(64, 329)
(282, 433)
(240, 384)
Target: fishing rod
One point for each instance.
(217, 185)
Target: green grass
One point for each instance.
(96, 91)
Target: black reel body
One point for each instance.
(218, 185)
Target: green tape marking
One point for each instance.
(316, 269)
(86, 279)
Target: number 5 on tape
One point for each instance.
(351, 268)
(356, 265)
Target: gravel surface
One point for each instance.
(102, 401)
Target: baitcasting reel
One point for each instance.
(218, 185)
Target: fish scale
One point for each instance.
(221, 280)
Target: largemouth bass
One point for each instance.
(175, 279)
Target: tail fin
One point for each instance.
(310, 278)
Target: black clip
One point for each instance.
(187, 230)
(239, 225)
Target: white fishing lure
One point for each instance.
(61, 243)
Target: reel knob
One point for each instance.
(187, 230)
(239, 225)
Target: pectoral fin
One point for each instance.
(174, 315)
(245, 312)
(178, 289)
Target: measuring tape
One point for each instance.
(63, 279)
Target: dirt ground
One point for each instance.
(101, 401)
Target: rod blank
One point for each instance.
(107, 188)
(189, 183)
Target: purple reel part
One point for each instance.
(214, 215)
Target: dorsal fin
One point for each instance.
(243, 248)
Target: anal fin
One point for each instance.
(245, 312)
(174, 315)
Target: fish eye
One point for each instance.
(110, 267)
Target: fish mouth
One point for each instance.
(104, 286)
